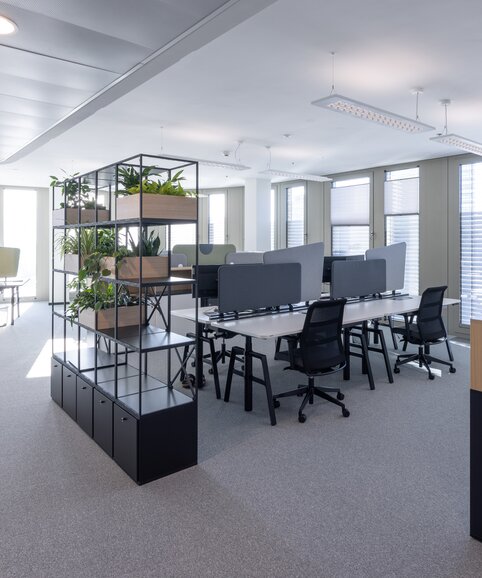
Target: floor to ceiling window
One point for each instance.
(470, 200)
(217, 218)
(402, 219)
(350, 216)
(295, 215)
(20, 230)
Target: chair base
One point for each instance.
(309, 391)
(424, 360)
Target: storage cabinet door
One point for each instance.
(125, 441)
(69, 392)
(103, 421)
(56, 382)
(84, 405)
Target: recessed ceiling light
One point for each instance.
(7, 26)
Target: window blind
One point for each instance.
(350, 216)
(295, 216)
(470, 242)
(402, 219)
(217, 218)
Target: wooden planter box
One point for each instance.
(127, 317)
(157, 207)
(72, 216)
(128, 268)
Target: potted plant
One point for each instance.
(160, 200)
(69, 244)
(75, 195)
(126, 261)
(94, 302)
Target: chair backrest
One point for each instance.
(429, 315)
(321, 344)
(9, 257)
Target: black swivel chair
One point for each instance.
(426, 330)
(320, 352)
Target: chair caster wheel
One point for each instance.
(302, 418)
(452, 370)
(193, 364)
(188, 381)
(431, 376)
(340, 396)
(276, 403)
(396, 369)
(345, 412)
(211, 371)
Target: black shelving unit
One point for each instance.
(122, 384)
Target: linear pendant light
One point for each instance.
(460, 142)
(455, 140)
(342, 104)
(306, 176)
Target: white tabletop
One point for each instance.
(277, 325)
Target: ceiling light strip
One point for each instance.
(465, 144)
(344, 105)
(306, 177)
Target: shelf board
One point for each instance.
(108, 373)
(129, 386)
(87, 359)
(154, 400)
(160, 281)
(145, 221)
(153, 338)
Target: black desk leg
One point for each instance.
(346, 343)
(12, 306)
(18, 303)
(248, 375)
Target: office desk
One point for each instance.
(14, 286)
(282, 324)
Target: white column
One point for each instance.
(257, 212)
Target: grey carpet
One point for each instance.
(383, 493)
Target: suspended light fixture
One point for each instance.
(454, 140)
(7, 26)
(345, 105)
(303, 176)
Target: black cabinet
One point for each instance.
(84, 406)
(69, 392)
(56, 382)
(125, 441)
(102, 410)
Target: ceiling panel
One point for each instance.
(23, 106)
(148, 23)
(35, 90)
(50, 70)
(25, 121)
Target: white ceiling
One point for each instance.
(253, 83)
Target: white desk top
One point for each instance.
(277, 325)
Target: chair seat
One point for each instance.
(415, 338)
(331, 365)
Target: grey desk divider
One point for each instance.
(208, 254)
(394, 256)
(244, 257)
(310, 258)
(358, 278)
(256, 286)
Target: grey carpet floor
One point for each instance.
(383, 493)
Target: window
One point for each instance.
(217, 218)
(295, 216)
(183, 234)
(402, 219)
(350, 216)
(20, 230)
(470, 242)
(272, 217)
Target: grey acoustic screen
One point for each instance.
(244, 257)
(394, 256)
(256, 286)
(310, 258)
(358, 278)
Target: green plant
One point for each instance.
(150, 245)
(98, 295)
(69, 243)
(129, 177)
(171, 186)
(75, 192)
